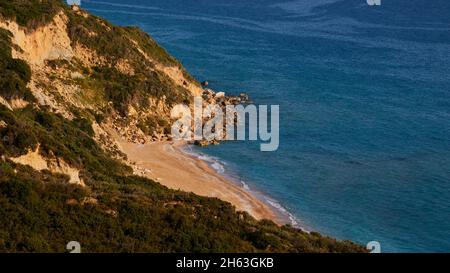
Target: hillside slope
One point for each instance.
(65, 77)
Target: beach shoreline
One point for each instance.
(170, 165)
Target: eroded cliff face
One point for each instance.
(36, 161)
(68, 80)
(49, 42)
(117, 78)
(65, 72)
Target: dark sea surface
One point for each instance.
(364, 95)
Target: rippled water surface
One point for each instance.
(364, 98)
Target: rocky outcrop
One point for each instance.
(220, 98)
(179, 78)
(88, 57)
(62, 78)
(62, 71)
(209, 96)
(45, 43)
(36, 161)
(49, 42)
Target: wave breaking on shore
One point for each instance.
(220, 167)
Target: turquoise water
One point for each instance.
(364, 98)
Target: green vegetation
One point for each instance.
(15, 73)
(150, 47)
(117, 43)
(30, 13)
(124, 90)
(116, 211)
(70, 140)
(113, 42)
(155, 51)
(153, 123)
(133, 214)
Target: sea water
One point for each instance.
(364, 96)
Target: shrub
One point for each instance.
(30, 13)
(15, 73)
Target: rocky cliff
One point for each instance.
(67, 78)
(81, 63)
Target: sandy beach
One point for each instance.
(166, 163)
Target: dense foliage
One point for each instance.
(15, 73)
(40, 212)
(115, 43)
(116, 211)
(124, 90)
(30, 13)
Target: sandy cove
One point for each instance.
(167, 164)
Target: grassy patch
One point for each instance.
(15, 73)
(124, 90)
(30, 13)
(70, 140)
(133, 214)
(41, 211)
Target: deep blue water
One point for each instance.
(364, 98)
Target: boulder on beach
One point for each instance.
(220, 94)
(244, 97)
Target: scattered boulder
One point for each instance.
(220, 95)
(201, 143)
(76, 75)
(222, 100)
(204, 143)
(244, 97)
(112, 212)
(89, 201)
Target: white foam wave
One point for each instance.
(218, 166)
(284, 211)
(245, 186)
(214, 162)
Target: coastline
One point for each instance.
(168, 164)
(219, 167)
